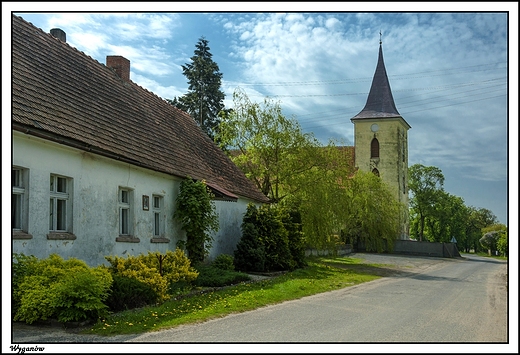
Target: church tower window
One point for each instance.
(374, 148)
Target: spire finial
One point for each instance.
(380, 41)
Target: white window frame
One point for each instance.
(19, 202)
(60, 208)
(157, 208)
(125, 198)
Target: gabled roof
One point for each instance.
(61, 94)
(380, 102)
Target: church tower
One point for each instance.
(381, 139)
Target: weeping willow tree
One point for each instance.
(373, 213)
(322, 196)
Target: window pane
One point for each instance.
(61, 215)
(124, 221)
(16, 178)
(124, 196)
(16, 211)
(53, 178)
(62, 184)
(156, 224)
(156, 202)
(51, 215)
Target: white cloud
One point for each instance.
(165, 92)
(425, 55)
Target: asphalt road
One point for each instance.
(428, 300)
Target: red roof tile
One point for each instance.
(62, 94)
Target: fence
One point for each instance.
(443, 250)
(343, 249)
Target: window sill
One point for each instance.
(127, 239)
(19, 234)
(160, 240)
(61, 236)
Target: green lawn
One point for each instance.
(321, 275)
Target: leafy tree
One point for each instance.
(426, 184)
(373, 215)
(478, 219)
(196, 212)
(448, 218)
(204, 99)
(494, 238)
(503, 243)
(269, 148)
(322, 197)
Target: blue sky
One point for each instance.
(448, 71)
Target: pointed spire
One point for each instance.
(380, 102)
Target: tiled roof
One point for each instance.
(380, 102)
(64, 95)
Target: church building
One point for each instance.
(381, 139)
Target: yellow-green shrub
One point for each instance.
(155, 269)
(68, 290)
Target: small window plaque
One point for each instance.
(146, 202)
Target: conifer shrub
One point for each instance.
(129, 293)
(66, 290)
(271, 240)
(292, 222)
(224, 262)
(250, 252)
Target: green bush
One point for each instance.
(272, 240)
(502, 243)
(210, 276)
(128, 293)
(250, 252)
(292, 222)
(224, 262)
(489, 241)
(22, 266)
(275, 239)
(68, 290)
(155, 269)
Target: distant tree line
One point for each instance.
(438, 216)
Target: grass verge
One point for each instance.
(321, 275)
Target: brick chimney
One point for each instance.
(59, 34)
(121, 65)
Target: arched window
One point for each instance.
(375, 172)
(374, 148)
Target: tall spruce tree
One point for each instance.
(204, 99)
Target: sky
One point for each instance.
(450, 72)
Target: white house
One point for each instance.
(97, 159)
